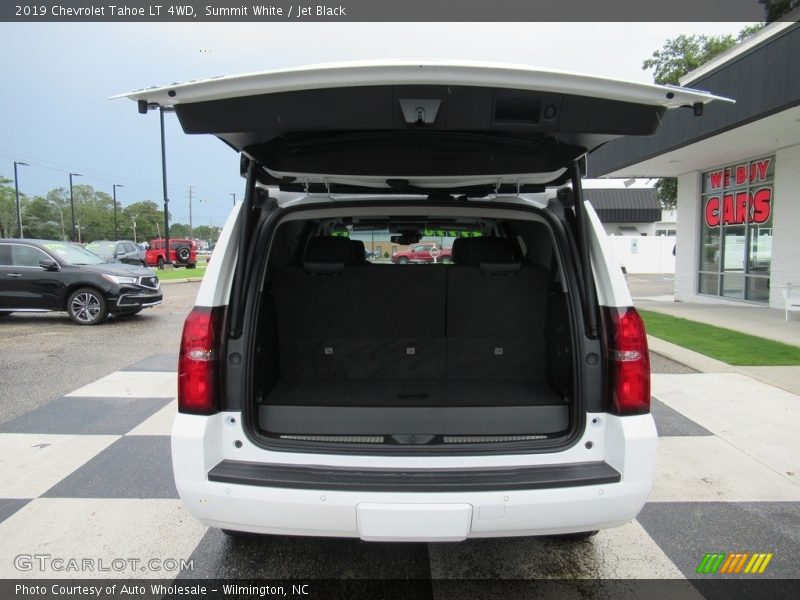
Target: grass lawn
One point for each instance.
(181, 273)
(726, 345)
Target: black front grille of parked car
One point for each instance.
(151, 282)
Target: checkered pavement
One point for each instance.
(89, 475)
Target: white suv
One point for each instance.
(505, 394)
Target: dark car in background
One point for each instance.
(44, 275)
(423, 254)
(124, 251)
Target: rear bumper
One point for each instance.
(231, 490)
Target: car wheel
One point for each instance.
(160, 262)
(402, 260)
(87, 306)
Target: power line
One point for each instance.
(129, 181)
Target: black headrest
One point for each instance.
(504, 268)
(326, 268)
(328, 249)
(474, 251)
(460, 250)
(359, 252)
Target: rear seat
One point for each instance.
(340, 321)
(496, 311)
(481, 318)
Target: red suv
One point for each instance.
(182, 253)
(423, 253)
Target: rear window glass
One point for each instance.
(434, 246)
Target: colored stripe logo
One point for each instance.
(735, 563)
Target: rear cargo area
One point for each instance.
(357, 351)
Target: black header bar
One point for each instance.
(276, 11)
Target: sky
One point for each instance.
(57, 78)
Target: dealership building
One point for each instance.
(738, 171)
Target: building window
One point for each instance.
(736, 236)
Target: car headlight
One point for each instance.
(118, 279)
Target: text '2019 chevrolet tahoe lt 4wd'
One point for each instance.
(505, 394)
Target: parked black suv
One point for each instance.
(43, 275)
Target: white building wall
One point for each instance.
(641, 228)
(687, 249)
(786, 223)
(639, 254)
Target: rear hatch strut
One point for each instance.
(582, 223)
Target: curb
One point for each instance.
(706, 364)
(690, 358)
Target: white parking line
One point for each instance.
(707, 468)
(759, 419)
(32, 463)
(132, 384)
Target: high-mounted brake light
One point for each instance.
(628, 360)
(199, 361)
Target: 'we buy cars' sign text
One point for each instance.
(739, 194)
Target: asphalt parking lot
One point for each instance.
(44, 355)
(85, 471)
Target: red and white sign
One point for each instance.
(737, 207)
(738, 175)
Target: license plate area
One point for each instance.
(413, 522)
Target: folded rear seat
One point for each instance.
(496, 311)
(340, 321)
(364, 350)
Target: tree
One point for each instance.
(178, 230)
(676, 58)
(686, 53)
(667, 192)
(8, 209)
(775, 9)
(41, 219)
(149, 221)
(210, 233)
(59, 200)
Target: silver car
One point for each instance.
(124, 251)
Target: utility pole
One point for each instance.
(79, 230)
(167, 259)
(115, 186)
(16, 192)
(190, 212)
(72, 203)
(63, 233)
(134, 230)
(144, 106)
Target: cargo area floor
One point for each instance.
(431, 407)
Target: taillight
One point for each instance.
(628, 362)
(199, 360)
